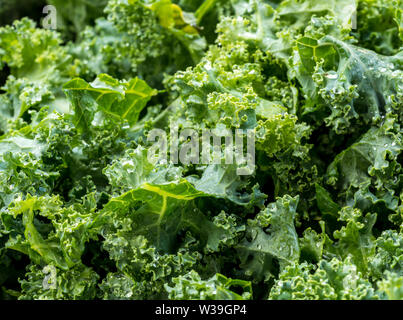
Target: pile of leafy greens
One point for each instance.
(84, 214)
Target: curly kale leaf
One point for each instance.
(120, 100)
(190, 286)
(357, 85)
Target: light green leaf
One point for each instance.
(119, 100)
